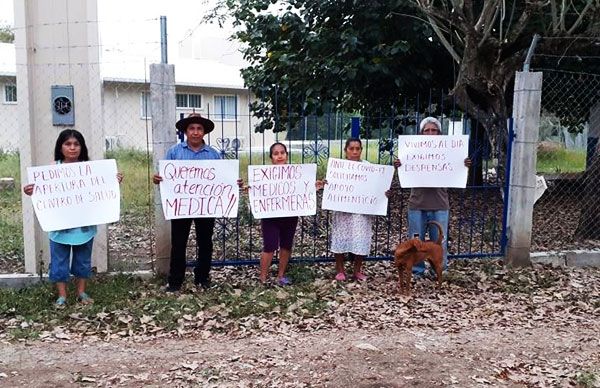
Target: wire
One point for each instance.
(119, 21)
(567, 72)
(568, 56)
(572, 37)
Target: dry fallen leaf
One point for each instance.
(366, 346)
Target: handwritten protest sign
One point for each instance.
(433, 161)
(357, 187)
(70, 195)
(282, 190)
(540, 187)
(199, 188)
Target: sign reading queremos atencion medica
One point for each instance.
(199, 188)
(70, 195)
(433, 161)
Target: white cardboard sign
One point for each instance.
(71, 195)
(357, 187)
(199, 188)
(282, 190)
(540, 187)
(433, 161)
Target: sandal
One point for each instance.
(360, 277)
(284, 281)
(340, 277)
(61, 302)
(84, 298)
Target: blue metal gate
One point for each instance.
(477, 225)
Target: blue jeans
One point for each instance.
(417, 224)
(81, 264)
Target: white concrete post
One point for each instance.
(526, 116)
(56, 43)
(162, 96)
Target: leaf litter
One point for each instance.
(486, 326)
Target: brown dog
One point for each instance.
(414, 251)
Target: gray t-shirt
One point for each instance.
(428, 198)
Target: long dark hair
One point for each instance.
(63, 137)
(273, 146)
(350, 140)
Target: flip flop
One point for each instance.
(61, 302)
(84, 298)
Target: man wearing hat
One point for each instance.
(195, 128)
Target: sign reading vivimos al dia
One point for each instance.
(199, 188)
(282, 190)
(357, 187)
(70, 195)
(433, 161)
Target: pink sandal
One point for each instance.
(340, 277)
(359, 276)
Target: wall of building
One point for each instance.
(9, 127)
(125, 125)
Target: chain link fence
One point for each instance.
(116, 118)
(120, 117)
(567, 215)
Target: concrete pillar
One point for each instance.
(593, 134)
(164, 115)
(526, 115)
(56, 43)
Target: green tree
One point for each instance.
(488, 41)
(312, 56)
(6, 34)
(365, 54)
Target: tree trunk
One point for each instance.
(480, 91)
(589, 221)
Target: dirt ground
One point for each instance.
(531, 328)
(422, 357)
(487, 326)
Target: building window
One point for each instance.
(225, 107)
(188, 100)
(10, 93)
(145, 107)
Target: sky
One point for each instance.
(132, 28)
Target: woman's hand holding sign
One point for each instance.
(28, 189)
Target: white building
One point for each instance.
(212, 88)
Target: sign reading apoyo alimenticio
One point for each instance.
(357, 187)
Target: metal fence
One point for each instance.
(567, 215)
(120, 118)
(116, 119)
(477, 214)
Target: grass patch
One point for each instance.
(128, 305)
(136, 188)
(588, 380)
(11, 236)
(561, 161)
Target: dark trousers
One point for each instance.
(180, 232)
